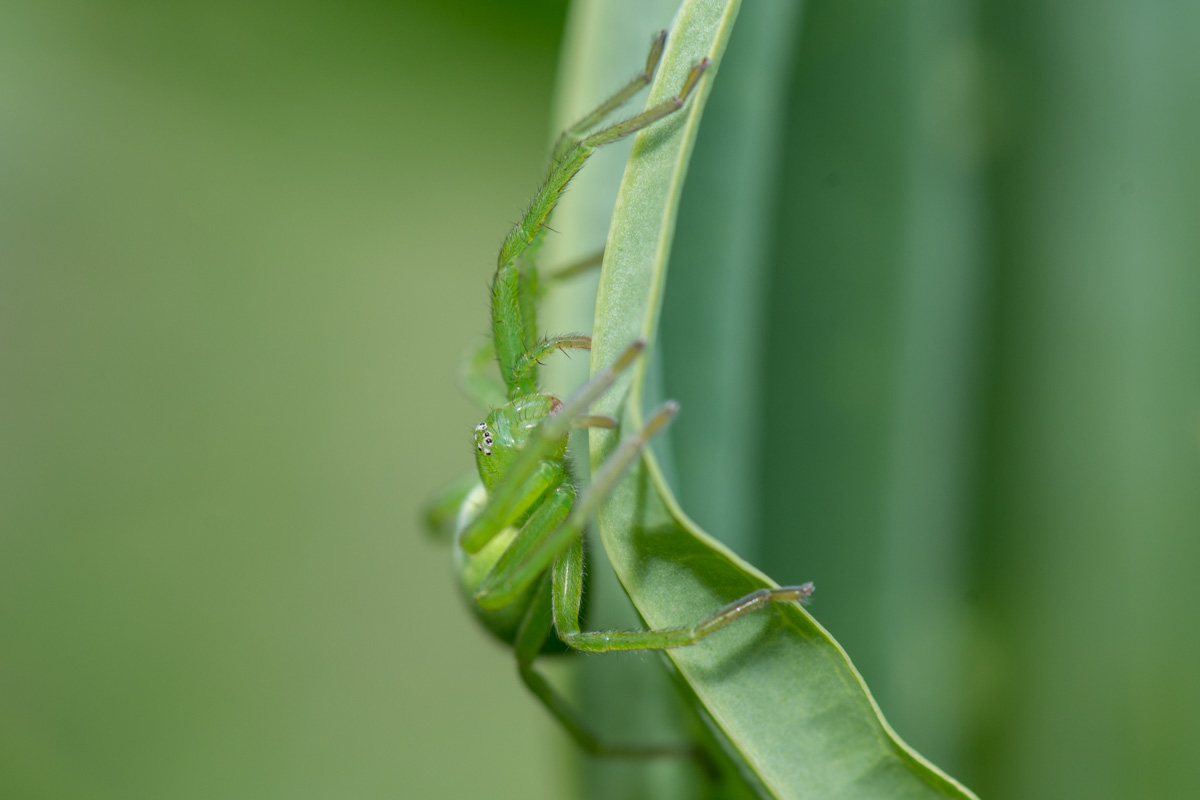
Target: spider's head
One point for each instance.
(501, 437)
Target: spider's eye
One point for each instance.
(483, 439)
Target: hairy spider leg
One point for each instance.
(477, 382)
(512, 316)
(529, 280)
(527, 364)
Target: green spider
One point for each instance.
(518, 527)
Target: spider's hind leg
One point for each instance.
(534, 630)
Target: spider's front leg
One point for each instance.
(515, 289)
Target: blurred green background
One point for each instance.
(243, 245)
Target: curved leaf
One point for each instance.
(780, 691)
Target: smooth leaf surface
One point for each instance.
(713, 335)
(776, 686)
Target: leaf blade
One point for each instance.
(781, 691)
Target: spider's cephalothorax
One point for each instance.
(506, 432)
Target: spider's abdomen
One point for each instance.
(471, 569)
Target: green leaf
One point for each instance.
(779, 690)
